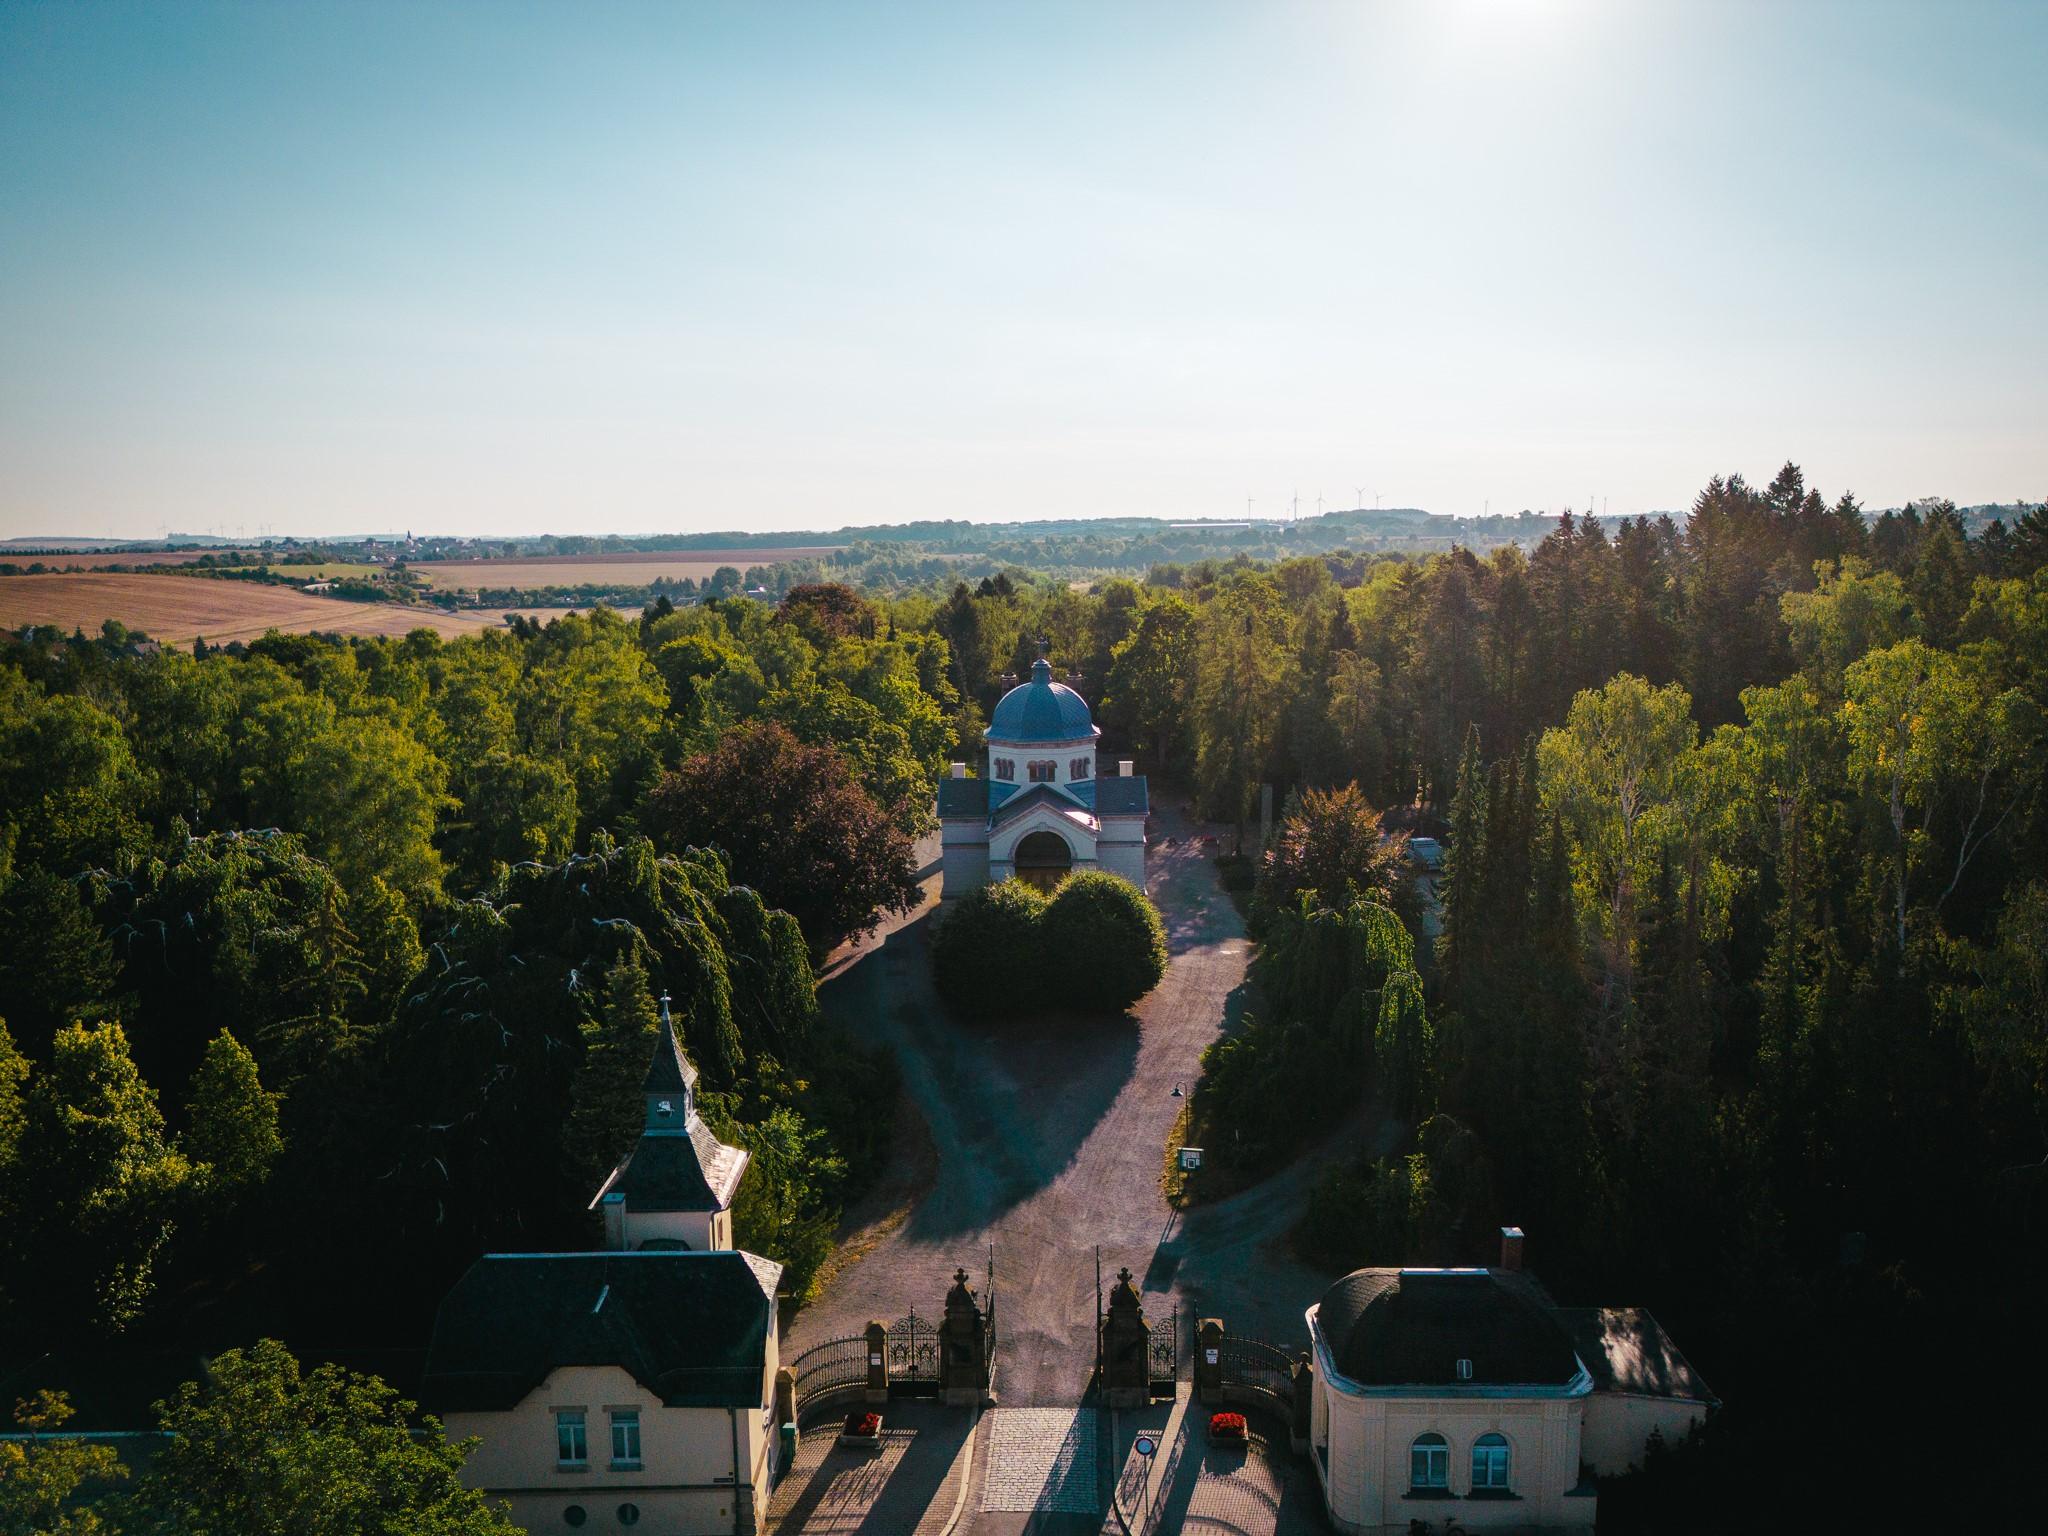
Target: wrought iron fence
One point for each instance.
(1257, 1365)
(1163, 1349)
(828, 1367)
(913, 1349)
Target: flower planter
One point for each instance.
(862, 1430)
(1227, 1429)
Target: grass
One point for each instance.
(331, 570)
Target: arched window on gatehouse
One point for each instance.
(1429, 1463)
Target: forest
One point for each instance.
(324, 961)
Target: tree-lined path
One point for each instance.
(1049, 1135)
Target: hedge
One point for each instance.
(1096, 947)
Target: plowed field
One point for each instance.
(176, 608)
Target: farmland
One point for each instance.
(99, 560)
(176, 608)
(635, 569)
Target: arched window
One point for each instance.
(1006, 768)
(1429, 1462)
(1044, 772)
(1078, 768)
(1492, 1461)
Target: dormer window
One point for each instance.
(664, 1107)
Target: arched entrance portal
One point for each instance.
(1044, 860)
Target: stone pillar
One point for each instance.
(1209, 1358)
(785, 1395)
(963, 1347)
(877, 1389)
(1303, 1405)
(1126, 1348)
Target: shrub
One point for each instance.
(988, 955)
(1104, 943)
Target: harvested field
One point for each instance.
(176, 608)
(637, 570)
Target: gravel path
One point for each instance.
(1049, 1135)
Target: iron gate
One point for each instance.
(913, 1349)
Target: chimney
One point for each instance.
(1124, 765)
(959, 770)
(1074, 681)
(1511, 1248)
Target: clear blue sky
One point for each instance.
(589, 266)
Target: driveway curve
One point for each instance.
(1048, 1136)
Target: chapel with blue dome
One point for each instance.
(1038, 811)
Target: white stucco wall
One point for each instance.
(1618, 1427)
(1121, 848)
(1367, 1479)
(702, 1230)
(963, 858)
(684, 1452)
(1061, 753)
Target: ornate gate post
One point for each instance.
(1209, 1359)
(963, 1347)
(877, 1389)
(1303, 1404)
(1126, 1348)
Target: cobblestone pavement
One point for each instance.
(910, 1487)
(1042, 1459)
(1262, 1489)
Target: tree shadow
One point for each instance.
(854, 1491)
(1018, 1098)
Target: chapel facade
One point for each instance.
(1040, 811)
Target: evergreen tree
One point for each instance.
(606, 1112)
(233, 1139)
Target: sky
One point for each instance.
(499, 268)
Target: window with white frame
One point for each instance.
(1491, 1462)
(1044, 771)
(572, 1444)
(1429, 1462)
(626, 1437)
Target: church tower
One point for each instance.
(675, 1188)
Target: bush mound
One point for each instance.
(1103, 942)
(1096, 947)
(987, 960)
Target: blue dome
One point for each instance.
(1041, 710)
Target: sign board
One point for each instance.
(1209, 1356)
(1145, 1445)
(1190, 1159)
(874, 1359)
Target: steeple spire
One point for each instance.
(671, 1086)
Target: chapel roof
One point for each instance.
(1041, 710)
(692, 1328)
(1411, 1327)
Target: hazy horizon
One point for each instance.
(513, 269)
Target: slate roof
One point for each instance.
(692, 1328)
(1041, 710)
(1396, 1327)
(962, 798)
(671, 1071)
(1627, 1350)
(682, 1170)
(1040, 794)
(1120, 796)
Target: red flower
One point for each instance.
(1226, 1426)
(865, 1425)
